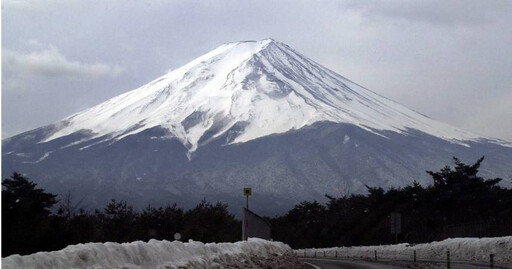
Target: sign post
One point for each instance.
(245, 225)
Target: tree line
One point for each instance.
(456, 196)
(35, 220)
(29, 225)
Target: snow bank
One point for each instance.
(461, 249)
(156, 254)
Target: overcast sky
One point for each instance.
(450, 60)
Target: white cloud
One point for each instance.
(50, 63)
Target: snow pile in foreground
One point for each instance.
(255, 253)
(461, 249)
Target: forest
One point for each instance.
(458, 202)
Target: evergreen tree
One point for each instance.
(457, 196)
(25, 211)
(160, 223)
(209, 222)
(118, 222)
(303, 226)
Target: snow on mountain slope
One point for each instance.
(249, 89)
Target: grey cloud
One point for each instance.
(434, 11)
(495, 118)
(34, 5)
(52, 64)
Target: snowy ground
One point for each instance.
(255, 253)
(461, 249)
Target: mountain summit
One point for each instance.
(250, 89)
(252, 113)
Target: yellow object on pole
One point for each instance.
(247, 191)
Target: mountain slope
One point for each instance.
(253, 113)
(246, 84)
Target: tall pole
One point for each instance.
(245, 215)
(245, 223)
(246, 226)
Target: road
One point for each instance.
(346, 264)
(356, 264)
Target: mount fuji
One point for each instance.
(253, 113)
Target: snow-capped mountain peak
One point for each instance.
(254, 113)
(248, 90)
